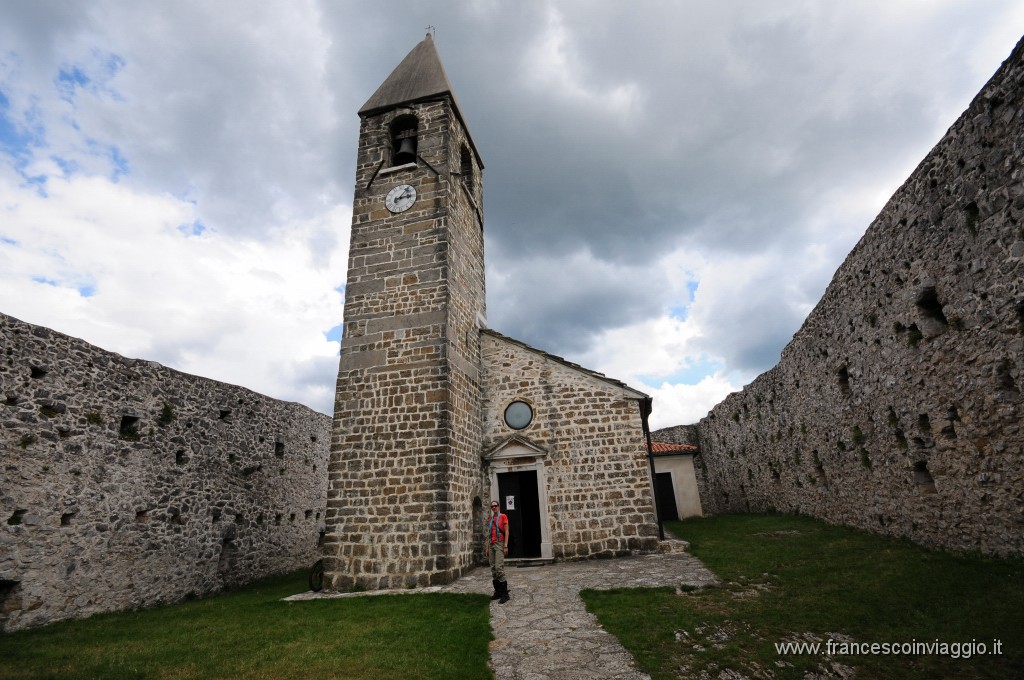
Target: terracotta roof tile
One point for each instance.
(664, 448)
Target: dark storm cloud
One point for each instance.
(658, 126)
(565, 173)
(632, 151)
(556, 303)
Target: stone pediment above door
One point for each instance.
(513, 448)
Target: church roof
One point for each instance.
(420, 76)
(565, 362)
(668, 448)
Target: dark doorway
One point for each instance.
(524, 517)
(666, 496)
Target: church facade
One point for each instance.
(435, 413)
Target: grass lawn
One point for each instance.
(251, 633)
(795, 579)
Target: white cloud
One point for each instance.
(632, 150)
(683, 404)
(109, 264)
(661, 357)
(224, 104)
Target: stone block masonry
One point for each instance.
(897, 406)
(598, 500)
(406, 482)
(125, 484)
(405, 446)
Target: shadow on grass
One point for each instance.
(797, 580)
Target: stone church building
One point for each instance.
(436, 414)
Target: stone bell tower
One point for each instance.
(405, 448)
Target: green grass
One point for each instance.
(782, 579)
(251, 633)
(787, 578)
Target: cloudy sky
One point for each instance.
(669, 186)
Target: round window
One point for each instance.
(518, 415)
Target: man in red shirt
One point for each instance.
(496, 548)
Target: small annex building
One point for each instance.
(436, 413)
(675, 480)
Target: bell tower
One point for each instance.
(405, 447)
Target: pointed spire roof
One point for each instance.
(420, 76)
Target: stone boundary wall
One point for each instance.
(126, 484)
(677, 434)
(897, 406)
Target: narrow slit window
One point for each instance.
(466, 167)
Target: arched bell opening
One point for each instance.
(403, 140)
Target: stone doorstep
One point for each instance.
(545, 629)
(669, 546)
(521, 562)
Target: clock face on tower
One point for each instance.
(400, 198)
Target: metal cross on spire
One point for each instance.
(431, 30)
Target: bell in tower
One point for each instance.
(403, 141)
(406, 152)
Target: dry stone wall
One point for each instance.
(125, 484)
(897, 406)
(678, 434)
(599, 494)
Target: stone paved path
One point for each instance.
(545, 633)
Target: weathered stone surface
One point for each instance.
(125, 483)
(593, 454)
(405, 454)
(897, 406)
